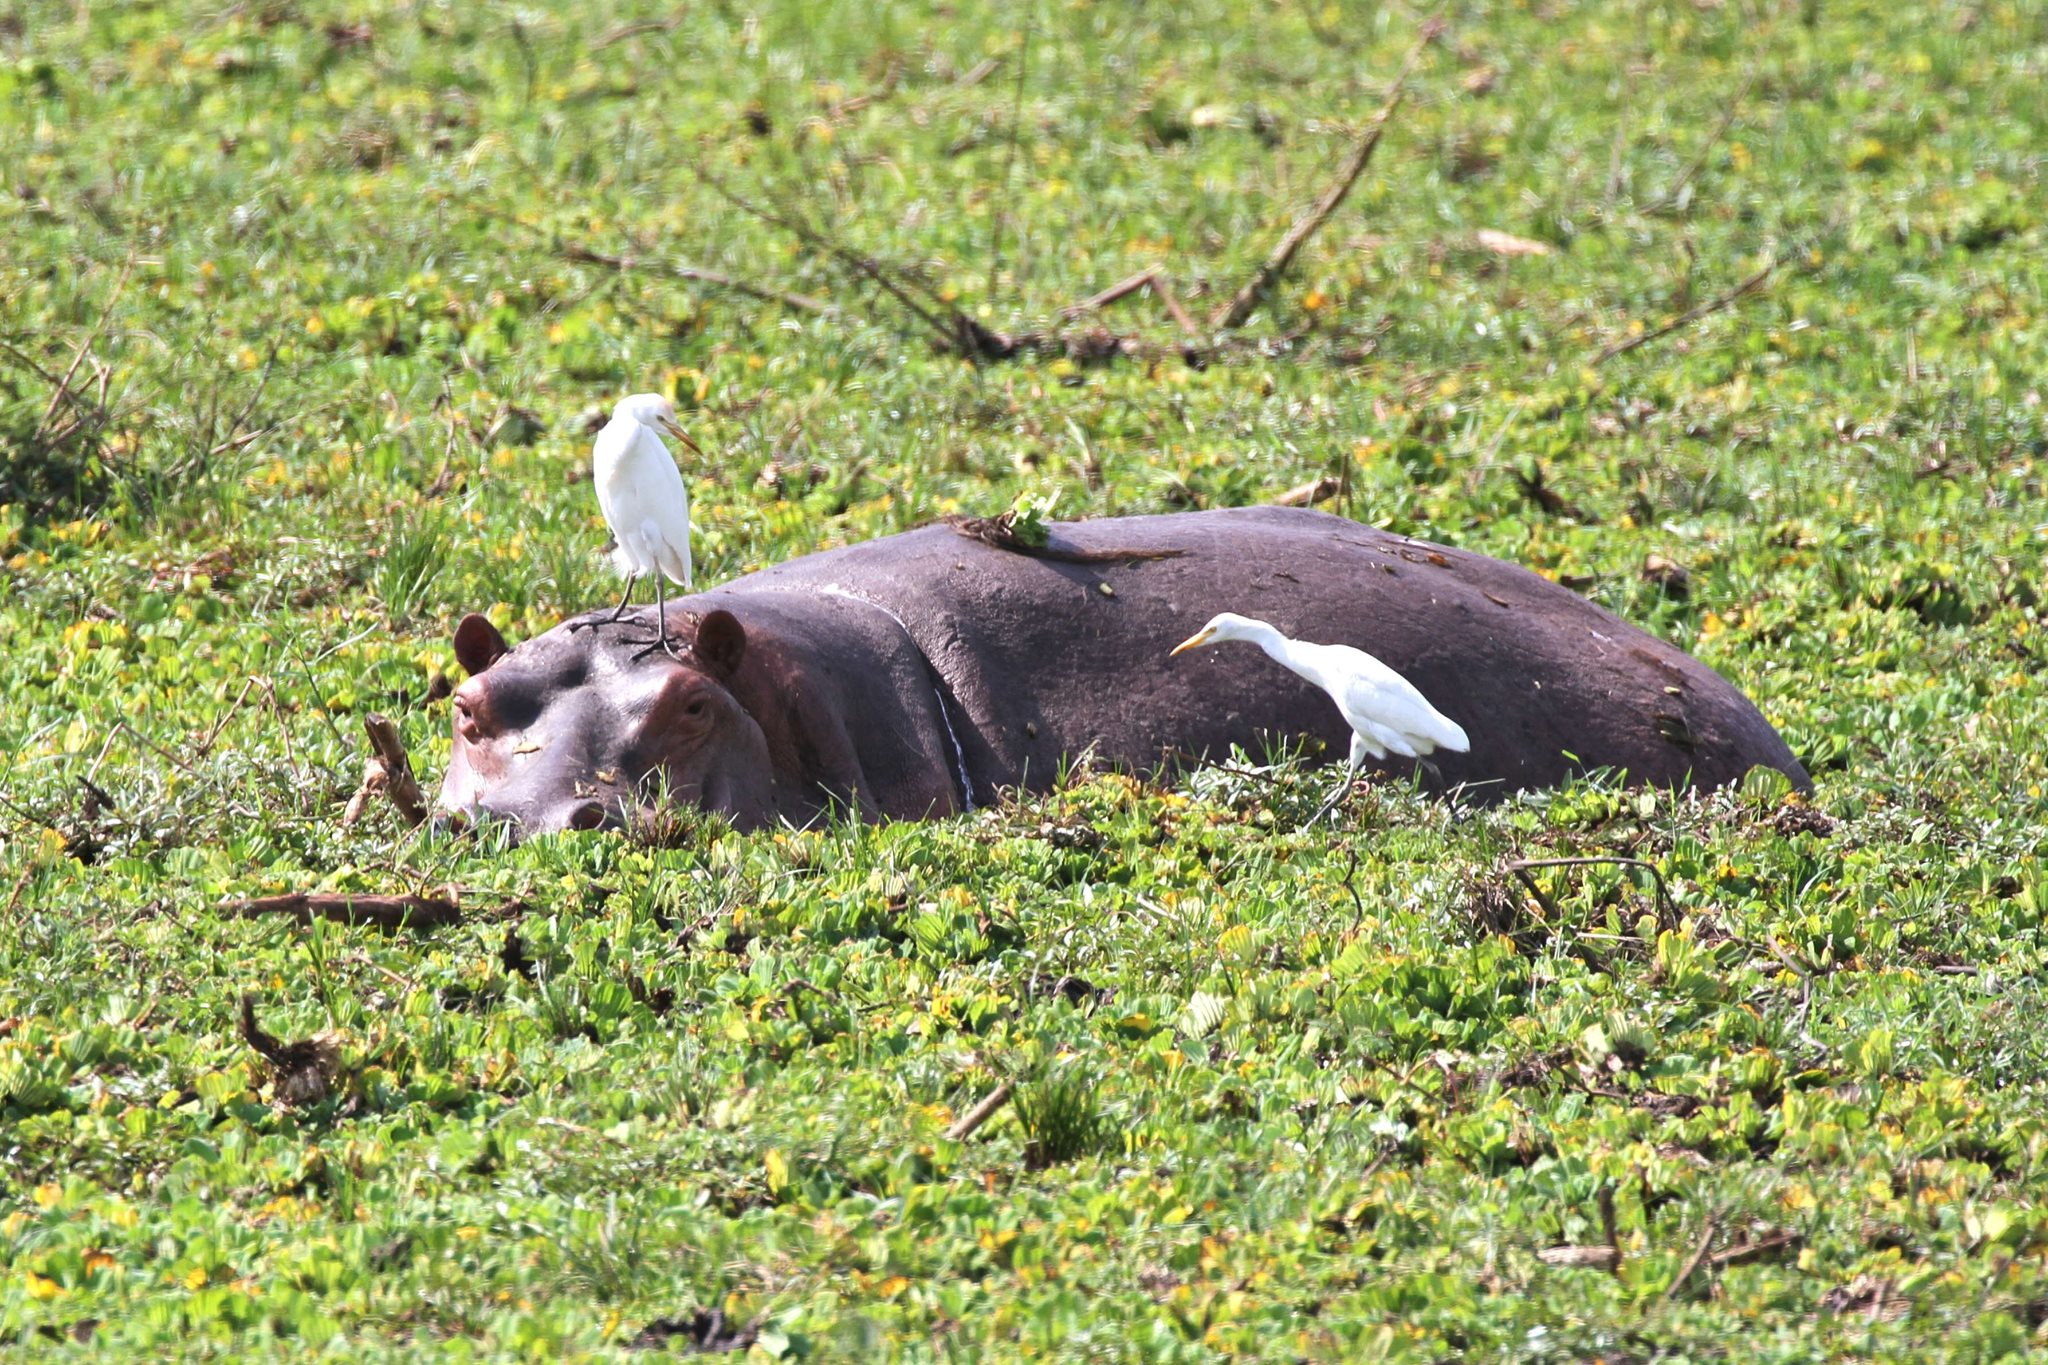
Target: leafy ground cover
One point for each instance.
(305, 309)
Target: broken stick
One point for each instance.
(1309, 494)
(980, 1113)
(1727, 300)
(698, 275)
(389, 772)
(389, 913)
(1123, 288)
(1152, 278)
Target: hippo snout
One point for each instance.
(523, 822)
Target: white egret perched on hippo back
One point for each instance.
(645, 504)
(1386, 713)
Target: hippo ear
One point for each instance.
(721, 641)
(478, 644)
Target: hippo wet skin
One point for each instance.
(917, 674)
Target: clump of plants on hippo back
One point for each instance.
(1027, 520)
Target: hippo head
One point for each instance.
(571, 731)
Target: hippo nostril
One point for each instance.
(587, 815)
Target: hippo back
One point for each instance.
(1043, 658)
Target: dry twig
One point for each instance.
(388, 771)
(956, 332)
(635, 29)
(1310, 493)
(1692, 1262)
(699, 275)
(1233, 313)
(964, 1127)
(389, 913)
(1711, 306)
(1720, 130)
(1152, 278)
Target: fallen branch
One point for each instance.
(1233, 313)
(550, 1121)
(1711, 306)
(964, 1127)
(1535, 486)
(389, 913)
(61, 393)
(1605, 1198)
(1163, 291)
(976, 74)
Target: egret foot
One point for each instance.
(632, 581)
(663, 642)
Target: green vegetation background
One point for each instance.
(321, 278)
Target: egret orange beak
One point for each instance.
(1200, 637)
(672, 429)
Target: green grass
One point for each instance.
(1305, 1096)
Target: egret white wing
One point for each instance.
(611, 458)
(1376, 696)
(648, 489)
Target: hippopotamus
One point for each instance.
(924, 673)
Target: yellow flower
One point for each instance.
(40, 1288)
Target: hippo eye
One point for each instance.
(695, 708)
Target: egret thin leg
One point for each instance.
(661, 634)
(632, 581)
(1343, 790)
(1343, 787)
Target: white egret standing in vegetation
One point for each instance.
(1384, 710)
(641, 493)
